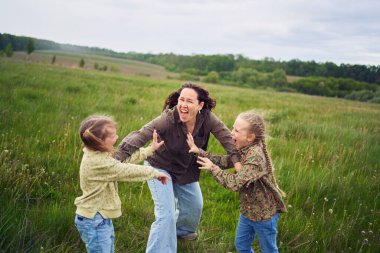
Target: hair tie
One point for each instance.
(87, 133)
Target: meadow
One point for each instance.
(326, 153)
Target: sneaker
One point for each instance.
(189, 237)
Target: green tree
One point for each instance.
(81, 63)
(53, 59)
(279, 78)
(8, 50)
(30, 46)
(212, 77)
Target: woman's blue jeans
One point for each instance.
(178, 209)
(97, 233)
(266, 232)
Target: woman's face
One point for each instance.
(188, 105)
(240, 133)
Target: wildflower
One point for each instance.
(330, 211)
(6, 151)
(370, 232)
(289, 206)
(326, 199)
(363, 232)
(365, 241)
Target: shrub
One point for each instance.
(8, 50)
(81, 63)
(212, 77)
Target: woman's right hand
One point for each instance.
(163, 178)
(190, 141)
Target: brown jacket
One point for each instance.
(174, 155)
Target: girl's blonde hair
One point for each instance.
(94, 130)
(257, 127)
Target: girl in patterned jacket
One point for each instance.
(260, 196)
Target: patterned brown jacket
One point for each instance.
(259, 197)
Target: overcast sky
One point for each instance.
(341, 31)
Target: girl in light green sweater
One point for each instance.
(99, 174)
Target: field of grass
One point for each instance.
(326, 153)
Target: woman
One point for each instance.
(187, 110)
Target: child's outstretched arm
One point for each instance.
(223, 161)
(248, 174)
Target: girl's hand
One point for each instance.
(163, 178)
(155, 144)
(238, 166)
(190, 141)
(205, 163)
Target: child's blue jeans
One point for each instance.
(266, 232)
(97, 233)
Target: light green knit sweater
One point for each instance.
(99, 173)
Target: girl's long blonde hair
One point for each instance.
(94, 130)
(257, 127)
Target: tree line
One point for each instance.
(219, 63)
(203, 64)
(358, 82)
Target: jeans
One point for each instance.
(97, 233)
(266, 232)
(177, 208)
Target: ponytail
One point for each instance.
(93, 132)
(270, 169)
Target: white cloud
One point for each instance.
(335, 30)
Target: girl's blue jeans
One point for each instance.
(177, 208)
(266, 232)
(97, 233)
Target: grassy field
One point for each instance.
(326, 153)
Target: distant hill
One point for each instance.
(203, 64)
(355, 82)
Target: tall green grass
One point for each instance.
(326, 153)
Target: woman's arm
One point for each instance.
(138, 139)
(142, 153)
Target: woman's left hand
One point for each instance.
(155, 144)
(205, 163)
(192, 147)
